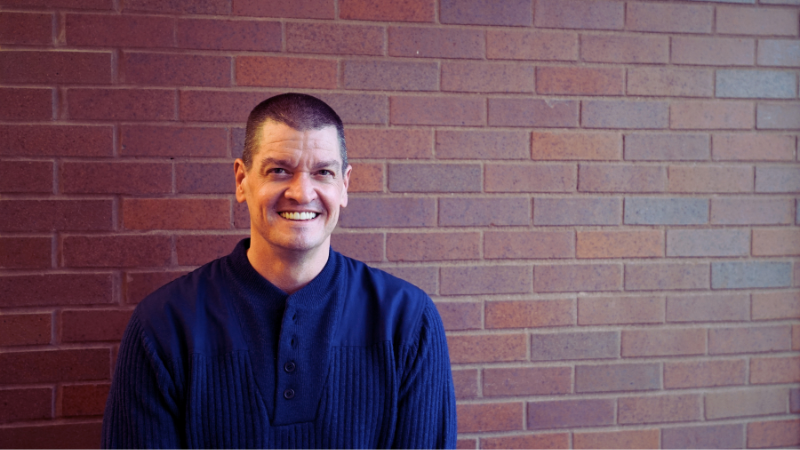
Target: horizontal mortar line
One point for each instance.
(61, 346)
(49, 422)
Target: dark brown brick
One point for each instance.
(116, 251)
(93, 325)
(624, 114)
(26, 104)
(473, 418)
(529, 313)
(334, 39)
(408, 11)
(172, 141)
(483, 12)
(577, 211)
(128, 30)
(51, 366)
(460, 315)
(472, 212)
(570, 413)
(708, 308)
(137, 285)
(486, 348)
(204, 178)
(579, 14)
(366, 177)
(573, 346)
(50, 215)
(61, 67)
(388, 143)
(527, 381)
(454, 111)
(361, 246)
(26, 176)
(483, 145)
(579, 81)
(528, 244)
(390, 75)
(663, 276)
(159, 69)
(472, 280)
(212, 34)
(578, 278)
(70, 435)
(466, 383)
(694, 374)
(749, 339)
(218, 106)
(56, 289)
(26, 404)
(526, 178)
(365, 212)
(618, 377)
(656, 342)
(121, 104)
(518, 112)
(426, 177)
(26, 28)
(84, 399)
(301, 9)
(660, 409)
(116, 178)
(532, 45)
(620, 310)
(25, 329)
(707, 436)
(197, 249)
(179, 6)
(436, 43)
(487, 77)
(176, 214)
(44, 140)
(432, 246)
(285, 72)
(359, 108)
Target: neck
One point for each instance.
(289, 270)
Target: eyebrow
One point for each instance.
(285, 163)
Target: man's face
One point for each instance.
(294, 188)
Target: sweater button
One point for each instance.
(289, 367)
(288, 394)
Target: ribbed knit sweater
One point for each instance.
(223, 358)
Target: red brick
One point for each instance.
(519, 112)
(570, 413)
(52, 366)
(571, 346)
(179, 6)
(579, 14)
(773, 433)
(794, 400)
(527, 381)
(390, 75)
(93, 325)
(401, 212)
(665, 18)
(491, 77)
(480, 12)
(218, 106)
(666, 276)
(625, 49)
(172, 141)
(621, 178)
(454, 111)
(695, 374)
(577, 211)
(778, 179)
(709, 436)
(528, 244)
(776, 242)
(624, 114)
(529, 313)
(116, 251)
(25, 329)
(532, 45)
(617, 377)
(334, 39)
(115, 178)
(781, 53)
(407, 11)
(436, 43)
(757, 21)
(121, 104)
(43, 140)
(667, 147)
(26, 404)
(483, 145)
(128, 30)
(485, 348)
(285, 72)
(84, 399)
(760, 402)
(432, 246)
(366, 177)
(749, 339)
(776, 116)
(70, 435)
(50, 215)
(682, 341)
(460, 315)
(362, 246)
(359, 108)
(529, 178)
(752, 147)
(776, 305)
(620, 310)
(228, 34)
(620, 244)
(301, 9)
(775, 370)
(62, 67)
(388, 143)
(726, 307)
(795, 337)
(176, 214)
(546, 440)
(473, 418)
(472, 280)
(56, 289)
(662, 81)
(26, 176)
(579, 81)
(137, 285)
(204, 178)
(424, 177)
(578, 278)
(426, 278)
(26, 104)
(70, 4)
(708, 51)
(693, 179)
(617, 439)
(467, 443)
(26, 28)
(475, 212)
(466, 383)
(158, 69)
(751, 211)
(661, 409)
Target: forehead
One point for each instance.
(279, 137)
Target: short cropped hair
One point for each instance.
(299, 111)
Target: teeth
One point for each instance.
(298, 215)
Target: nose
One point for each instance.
(301, 188)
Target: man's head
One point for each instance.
(299, 111)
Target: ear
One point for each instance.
(240, 174)
(346, 180)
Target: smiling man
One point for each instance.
(285, 343)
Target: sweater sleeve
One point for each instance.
(141, 411)
(426, 415)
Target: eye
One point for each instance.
(276, 171)
(326, 173)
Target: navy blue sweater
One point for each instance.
(223, 358)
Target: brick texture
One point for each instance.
(527, 45)
(570, 414)
(620, 310)
(574, 346)
(617, 439)
(713, 373)
(529, 314)
(617, 377)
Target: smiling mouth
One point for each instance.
(298, 215)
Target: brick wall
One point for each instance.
(600, 196)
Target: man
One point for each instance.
(285, 342)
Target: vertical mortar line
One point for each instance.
(60, 29)
(283, 36)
